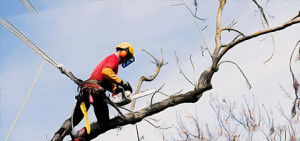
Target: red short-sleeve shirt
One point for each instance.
(111, 61)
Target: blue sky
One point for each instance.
(80, 34)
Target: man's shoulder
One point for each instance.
(112, 56)
(111, 59)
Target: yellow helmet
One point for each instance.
(127, 53)
(126, 46)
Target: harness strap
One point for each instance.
(83, 86)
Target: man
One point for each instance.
(104, 77)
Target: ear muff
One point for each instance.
(123, 53)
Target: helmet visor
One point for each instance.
(128, 62)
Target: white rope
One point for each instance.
(24, 101)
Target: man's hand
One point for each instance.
(118, 90)
(126, 86)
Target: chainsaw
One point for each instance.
(125, 97)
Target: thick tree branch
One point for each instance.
(134, 117)
(219, 28)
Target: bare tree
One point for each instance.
(204, 82)
(246, 122)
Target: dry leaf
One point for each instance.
(188, 116)
(205, 137)
(293, 111)
(224, 100)
(298, 56)
(272, 130)
(296, 85)
(251, 114)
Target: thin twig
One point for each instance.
(194, 15)
(231, 29)
(137, 132)
(171, 94)
(198, 28)
(263, 17)
(282, 113)
(248, 83)
(155, 93)
(158, 127)
(181, 72)
(288, 95)
(195, 82)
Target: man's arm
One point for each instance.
(110, 75)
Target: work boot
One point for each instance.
(57, 137)
(80, 139)
(60, 135)
(79, 135)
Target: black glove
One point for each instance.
(126, 86)
(118, 90)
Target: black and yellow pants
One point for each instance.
(100, 110)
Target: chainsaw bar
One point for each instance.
(142, 94)
(121, 100)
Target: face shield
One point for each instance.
(128, 62)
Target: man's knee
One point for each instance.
(67, 125)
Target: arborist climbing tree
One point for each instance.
(103, 78)
(92, 92)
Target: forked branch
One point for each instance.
(294, 20)
(158, 64)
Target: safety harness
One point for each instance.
(91, 87)
(96, 88)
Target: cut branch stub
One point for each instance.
(158, 64)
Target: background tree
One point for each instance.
(204, 82)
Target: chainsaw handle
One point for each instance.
(123, 93)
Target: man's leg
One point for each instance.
(102, 115)
(66, 127)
